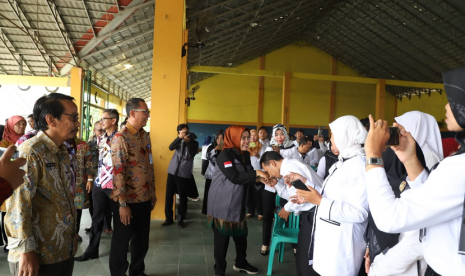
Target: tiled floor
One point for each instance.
(187, 251)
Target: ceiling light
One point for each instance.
(128, 66)
(253, 24)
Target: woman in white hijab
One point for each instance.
(424, 129)
(342, 211)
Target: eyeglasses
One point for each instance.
(147, 112)
(74, 117)
(107, 118)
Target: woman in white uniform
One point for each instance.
(342, 211)
(425, 131)
(436, 206)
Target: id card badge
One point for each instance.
(150, 158)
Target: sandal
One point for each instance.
(264, 252)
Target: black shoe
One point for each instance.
(87, 229)
(180, 223)
(79, 238)
(247, 268)
(6, 249)
(264, 252)
(84, 257)
(166, 223)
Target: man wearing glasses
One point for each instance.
(133, 196)
(103, 185)
(41, 218)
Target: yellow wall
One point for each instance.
(434, 105)
(234, 98)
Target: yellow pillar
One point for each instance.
(184, 91)
(380, 99)
(261, 92)
(167, 90)
(77, 75)
(286, 100)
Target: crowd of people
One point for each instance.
(366, 207)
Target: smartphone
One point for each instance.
(251, 144)
(275, 147)
(298, 184)
(277, 209)
(221, 144)
(394, 136)
(14, 157)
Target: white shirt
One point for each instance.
(265, 145)
(321, 168)
(204, 152)
(401, 260)
(341, 220)
(290, 153)
(436, 205)
(292, 165)
(312, 157)
(296, 144)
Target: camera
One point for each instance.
(191, 135)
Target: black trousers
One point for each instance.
(192, 187)
(137, 232)
(268, 205)
(78, 220)
(254, 200)
(181, 185)
(221, 243)
(208, 182)
(101, 213)
(3, 237)
(63, 268)
(303, 246)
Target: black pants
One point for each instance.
(268, 205)
(430, 272)
(137, 232)
(192, 188)
(107, 217)
(78, 220)
(208, 182)
(303, 246)
(63, 268)
(101, 213)
(181, 185)
(254, 200)
(3, 237)
(221, 243)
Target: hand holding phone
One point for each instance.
(298, 184)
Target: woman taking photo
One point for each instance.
(211, 154)
(435, 207)
(227, 199)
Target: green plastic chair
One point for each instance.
(314, 168)
(282, 233)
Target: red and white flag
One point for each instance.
(228, 164)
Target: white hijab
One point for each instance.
(287, 143)
(349, 135)
(424, 130)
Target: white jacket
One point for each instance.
(341, 220)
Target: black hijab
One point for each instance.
(397, 174)
(454, 83)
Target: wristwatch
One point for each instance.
(123, 204)
(374, 161)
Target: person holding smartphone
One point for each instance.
(212, 153)
(179, 174)
(341, 215)
(282, 168)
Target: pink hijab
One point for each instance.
(10, 134)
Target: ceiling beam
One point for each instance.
(63, 30)
(113, 55)
(19, 14)
(126, 60)
(111, 28)
(6, 41)
(88, 17)
(126, 40)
